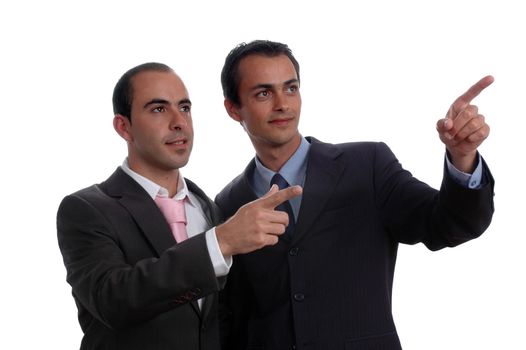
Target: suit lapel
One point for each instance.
(238, 192)
(143, 210)
(211, 211)
(324, 170)
(323, 173)
(243, 192)
(149, 218)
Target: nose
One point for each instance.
(179, 120)
(280, 102)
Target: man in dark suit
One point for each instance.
(327, 284)
(138, 284)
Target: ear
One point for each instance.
(122, 125)
(233, 110)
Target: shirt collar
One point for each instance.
(154, 189)
(293, 170)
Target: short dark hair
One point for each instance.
(123, 91)
(230, 73)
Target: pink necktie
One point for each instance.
(173, 211)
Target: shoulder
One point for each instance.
(348, 149)
(237, 192)
(89, 199)
(96, 195)
(226, 194)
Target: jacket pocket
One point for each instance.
(386, 341)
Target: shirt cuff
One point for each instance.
(472, 181)
(221, 264)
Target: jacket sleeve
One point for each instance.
(413, 212)
(120, 292)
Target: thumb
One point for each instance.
(444, 125)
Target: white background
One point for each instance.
(371, 70)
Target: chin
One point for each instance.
(174, 164)
(181, 164)
(286, 139)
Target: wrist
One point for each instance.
(224, 247)
(465, 163)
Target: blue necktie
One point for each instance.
(285, 206)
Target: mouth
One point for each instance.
(177, 142)
(281, 121)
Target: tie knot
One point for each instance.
(173, 210)
(280, 181)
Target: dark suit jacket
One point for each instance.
(134, 287)
(330, 285)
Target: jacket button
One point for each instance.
(294, 251)
(299, 296)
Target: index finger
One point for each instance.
(466, 98)
(272, 200)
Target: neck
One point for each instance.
(274, 157)
(168, 179)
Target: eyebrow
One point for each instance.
(268, 86)
(291, 81)
(166, 102)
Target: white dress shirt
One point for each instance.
(196, 219)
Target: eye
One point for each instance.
(185, 108)
(263, 94)
(158, 109)
(292, 88)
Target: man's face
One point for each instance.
(160, 135)
(270, 101)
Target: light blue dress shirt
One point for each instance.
(294, 171)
